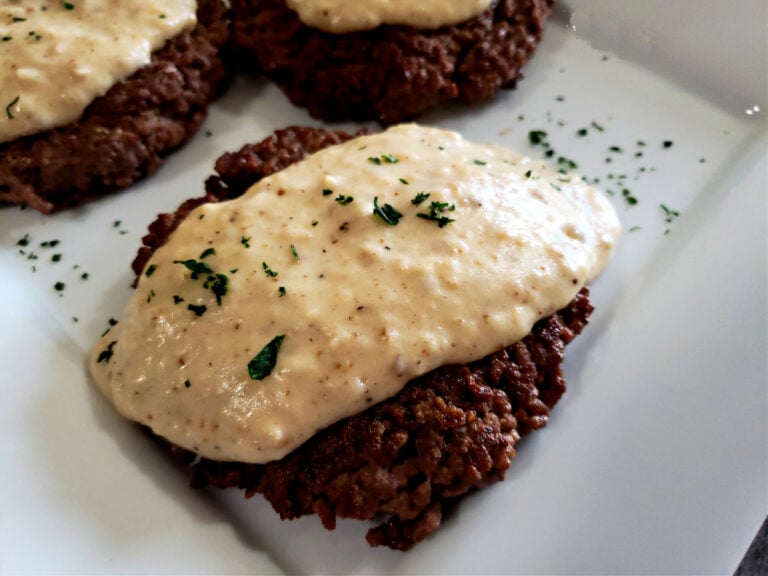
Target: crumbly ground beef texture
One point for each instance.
(391, 73)
(124, 135)
(409, 457)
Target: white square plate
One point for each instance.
(655, 461)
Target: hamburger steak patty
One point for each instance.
(124, 135)
(407, 458)
(391, 73)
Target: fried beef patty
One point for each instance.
(124, 135)
(391, 73)
(407, 458)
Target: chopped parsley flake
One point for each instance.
(23, 241)
(294, 252)
(218, 284)
(68, 5)
(150, 270)
(187, 383)
(419, 198)
(198, 310)
(631, 200)
(404, 181)
(268, 271)
(669, 214)
(387, 158)
(537, 137)
(480, 162)
(59, 286)
(11, 104)
(56, 258)
(344, 200)
(106, 354)
(245, 241)
(327, 191)
(667, 144)
(598, 127)
(567, 163)
(177, 299)
(262, 364)
(195, 267)
(582, 132)
(281, 291)
(208, 252)
(388, 213)
(49, 244)
(435, 214)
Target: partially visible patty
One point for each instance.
(409, 457)
(126, 134)
(391, 73)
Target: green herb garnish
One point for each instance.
(262, 364)
(268, 271)
(106, 354)
(435, 214)
(208, 252)
(419, 198)
(294, 252)
(669, 214)
(537, 137)
(344, 200)
(198, 310)
(245, 241)
(150, 270)
(388, 213)
(11, 104)
(195, 267)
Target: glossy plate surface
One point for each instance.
(655, 461)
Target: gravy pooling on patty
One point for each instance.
(328, 286)
(339, 16)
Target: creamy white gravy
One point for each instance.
(339, 16)
(57, 57)
(363, 306)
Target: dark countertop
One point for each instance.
(755, 562)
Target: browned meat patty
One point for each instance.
(126, 134)
(446, 433)
(392, 73)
